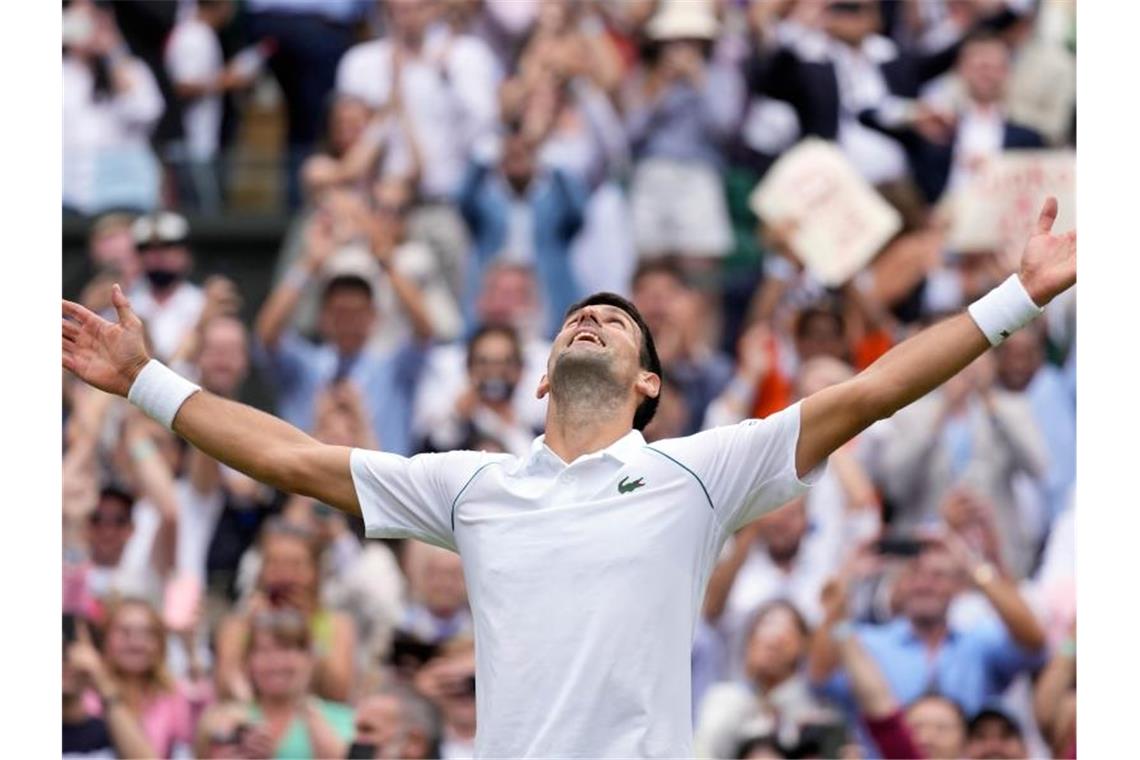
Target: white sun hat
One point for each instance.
(683, 20)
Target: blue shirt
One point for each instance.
(1056, 414)
(972, 666)
(300, 369)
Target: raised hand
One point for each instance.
(105, 355)
(1049, 263)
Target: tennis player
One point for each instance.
(586, 561)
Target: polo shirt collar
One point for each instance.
(622, 450)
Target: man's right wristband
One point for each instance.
(160, 392)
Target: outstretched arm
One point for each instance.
(110, 356)
(917, 366)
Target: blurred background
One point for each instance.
(369, 217)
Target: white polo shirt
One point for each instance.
(586, 579)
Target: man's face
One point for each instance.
(984, 69)
(937, 729)
(409, 18)
(379, 722)
(347, 317)
(165, 265)
(851, 21)
(518, 161)
(439, 582)
(494, 368)
(224, 359)
(783, 530)
(932, 583)
(597, 352)
(1018, 359)
(993, 739)
(776, 646)
(109, 528)
(507, 298)
(821, 336)
(658, 296)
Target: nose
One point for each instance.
(588, 312)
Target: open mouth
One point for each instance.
(587, 337)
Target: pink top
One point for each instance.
(168, 719)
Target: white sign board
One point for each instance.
(998, 209)
(840, 222)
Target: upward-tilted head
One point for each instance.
(604, 359)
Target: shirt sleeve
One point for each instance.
(893, 737)
(402, 497)
(747, 469)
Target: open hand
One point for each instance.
(106, 355)
(1049, 263)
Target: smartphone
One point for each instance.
(68, 629)
(819, 740)
(181, 602)
(899, 546)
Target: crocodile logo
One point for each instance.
(624, 487)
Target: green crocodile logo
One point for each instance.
(624, 487)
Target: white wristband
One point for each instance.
(160, 391)
(1004, 310)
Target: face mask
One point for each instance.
(162, 278)
(495, 390)
(360, 751)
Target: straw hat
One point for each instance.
(683, 20)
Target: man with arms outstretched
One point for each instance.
(587, 560)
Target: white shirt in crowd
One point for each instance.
(194, 56)
(586, 579)
(444, 379)
(450, 91)
(981, 132)
(168, 323)
(107, 160)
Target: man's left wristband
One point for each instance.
(160, 392)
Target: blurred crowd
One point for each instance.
(460, 171)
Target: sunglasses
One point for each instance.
(159, 230)
(235, 736)
(98, 519)
(849, 8)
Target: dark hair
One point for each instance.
(346, 283)
(666, 265)
(982, 36)
(118, 494)
(647, 356)
(821, 310)
(486, 330)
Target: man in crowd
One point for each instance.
(168, 303)
(585, 634)
(395, 721)
(301, 369)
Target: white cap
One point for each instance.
(683, 19)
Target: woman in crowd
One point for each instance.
(288, 719)
(134, 649)
(289, 579)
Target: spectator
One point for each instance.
(289, 581)
(347, 320)
(437, 610)
(508, 299)
(118, 733)
(447, 82)
(948, 143)
(396, 722)
(1023, 371)
(448, 681)
(111, 250)
(354, 141)
(777, 699)
(672, 309)
(525, 213)
(485, 409)
(133, 654)
(1055, 700)
(201, 78)
(309, 37)
(110, 105)
(680, 111)
(290, 721)
(168, 304)
(938, 727)
(966, 433)
(994, 735)
(224, 731)
(920, 652)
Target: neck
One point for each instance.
(930, 631)
(276, 705)
(584, 427)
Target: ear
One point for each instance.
(543, 387)
(648, 384)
